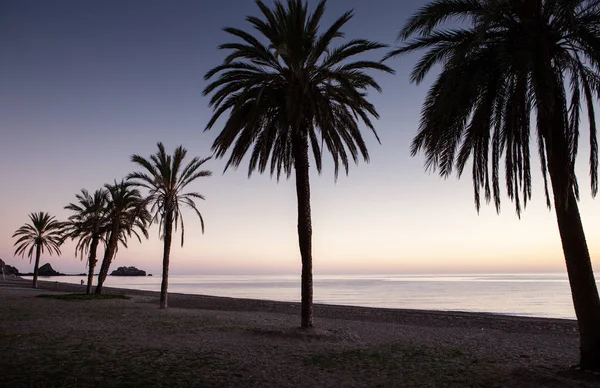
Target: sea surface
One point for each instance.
(539, 295)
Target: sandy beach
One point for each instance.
(224, 342)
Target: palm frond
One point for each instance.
(494, 78)
(165, 177)
(300, 86)
(43, 232)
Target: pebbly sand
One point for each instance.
(224, 342)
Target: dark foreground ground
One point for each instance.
(223, 342)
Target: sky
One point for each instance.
(84, 85)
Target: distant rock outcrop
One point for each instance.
(128, 271)
(8, 269)
(47, 270)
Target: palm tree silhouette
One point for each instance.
(506, 65)
(166, 178)
(88, 225)
(126, 213)
(41, 234)
(294, 93)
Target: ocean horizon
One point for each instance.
(536, 295)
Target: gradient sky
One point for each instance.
(86, 84)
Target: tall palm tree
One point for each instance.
(88, 224)
(507, 60)
(126, 212)
(166, 178)
(294, 92)
(41, 234)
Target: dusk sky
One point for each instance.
(84, 85)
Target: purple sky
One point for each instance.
(86, 84)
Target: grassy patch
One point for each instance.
(83, 296)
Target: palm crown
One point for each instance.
(44, 231)
(89, 219)
(295, 87)
(124, 202)
(166, 178)
(507, 59)
(126, 212)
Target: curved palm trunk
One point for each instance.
(36, 267)
(166, 255)
(92, 263)
(579, 267)
(304, 228)
(108, 256)
(103, 270)
(577, 257)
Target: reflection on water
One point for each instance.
(542, 295)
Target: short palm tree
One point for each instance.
(506, 64)
(41, 234)
(165, 177)
(88, 225)
(126, 213)
(294, 92)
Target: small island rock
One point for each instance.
(128, 271)
(47, 270)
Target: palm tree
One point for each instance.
(293, 93)
(166, 178)
(88, 224)
(126, 212)
(42, 233)
(507, 60)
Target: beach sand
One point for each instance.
(224, 342)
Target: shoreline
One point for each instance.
(431, 318)
(521, 295)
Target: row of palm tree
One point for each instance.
(118, 211)
(504, 63)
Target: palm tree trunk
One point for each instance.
(584, 291)
(108, 256)
(577, 257)
(92, 263)
(300, 149)
(166, 254)
(36, 267)
(103, 271)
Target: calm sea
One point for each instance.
(540, 295)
